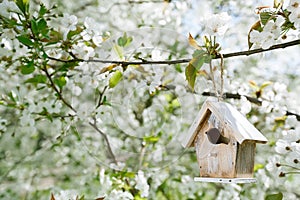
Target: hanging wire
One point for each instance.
(222, 78)
(218, 94)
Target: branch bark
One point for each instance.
(110, 152)
(180, 61)
(59, 95)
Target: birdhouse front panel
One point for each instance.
(216, 149)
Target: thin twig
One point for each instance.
(213, 78)
(101, 96)
(52, 84)
(110, 152)
(222, 76)
(179, 61)
(235, 96)
(291, 113)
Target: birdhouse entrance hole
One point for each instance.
(215, 136)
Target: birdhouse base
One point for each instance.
(225, 180)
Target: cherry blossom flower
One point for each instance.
(92, 31)
(119, 194)
(7, 8)
(141, 184)
(82, 50)
(69, 23)
(294, 8)
(216, 25)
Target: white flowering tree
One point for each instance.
(95, 94)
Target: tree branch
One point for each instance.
(110, 152)
(260, 50)
(179, 61)
(227, 95)
(59, 95)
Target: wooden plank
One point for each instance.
(225, 180)
(187, 140)
(245, 159)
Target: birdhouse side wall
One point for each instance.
(245, 159)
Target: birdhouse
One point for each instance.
(225, 143)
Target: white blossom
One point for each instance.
(120, 195)
(92, 31)
(270, 34)
(7, 8)
(216, 25)
(66, 194)
(295, 18)
(69, 23)
(81, 50)
(282, 146)
(141, 184)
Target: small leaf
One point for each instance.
(60, 82)
(37, 79)
(23, 5)
(253, 85)
(257, 167)
(119, 51)
(42, 25)
(108, 68)
(190, 75)
(24, 39)
(34, 27)
(198, 61)
(278, 4)
(265, 84)
(27, 69)
(265, 17)
(43, 10)
(124, 40)
(278, 196)
(193, 42)
(115, 79)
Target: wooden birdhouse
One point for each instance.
(225, 143)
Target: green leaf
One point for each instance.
(60, 82)
(265, 17)
(278, 196)
(34, 27)
(27, 69)
(198, 61)
(23, 5)
(43, 10)
(37, 79)
(42, 24)
(151, 139)
(124, 40)
(257, 167)
(190, 75)
(119, 50)
(24, 39)
(115, 79)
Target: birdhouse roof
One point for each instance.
(239, 126)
